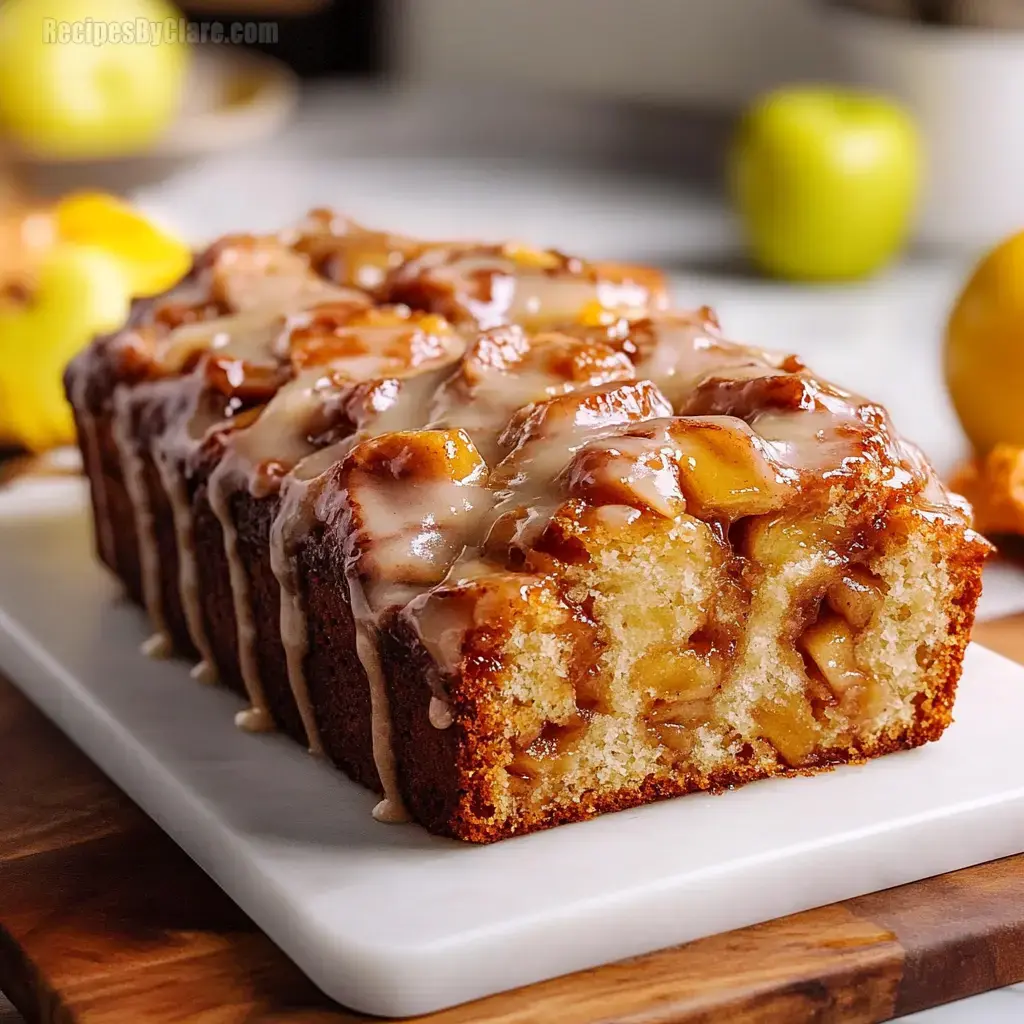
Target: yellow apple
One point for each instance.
(93, 97)
(825, 181)
(79, 292)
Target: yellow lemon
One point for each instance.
(985, 349)
(80, 292)
(153, 259)
(94, 254)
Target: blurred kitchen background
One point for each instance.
(652, 87)
(599, 126)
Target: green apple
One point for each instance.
(825, 181)
(81, 79)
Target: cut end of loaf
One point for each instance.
(665, 661)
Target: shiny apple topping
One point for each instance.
(541, 437)
(410, 500)
(250, 272)
(714, 468)
(351, 337)
(247, 381)
(345, 252)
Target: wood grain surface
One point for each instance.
(104, 920)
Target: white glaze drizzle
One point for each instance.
(97, 479)
(132, 468)
(280, 435)
(395, 550)
(293, 520)
(391, 809)
(249, 336)
(223, 482)
(439, 713)
(188, 575)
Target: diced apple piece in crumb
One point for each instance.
(829, 643)
(856, 597)
(788, 723)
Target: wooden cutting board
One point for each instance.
(103, 919)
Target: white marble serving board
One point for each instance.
(390, 920)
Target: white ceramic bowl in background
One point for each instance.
(965, 86)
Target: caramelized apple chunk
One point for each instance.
(677, 349)
(726, 470)
(250, 272)
(514, 368)
(787, 721)
(345, 252)
(569, 363)
(359, 341)
(548, 752)
(489, 285)
(345, 408)
(630, 471)
(745, 391)
(574, 417)
(715, 468)
(249, 382)
(829, 642)
(409, 500)
(679, 679)
(493, 354)
(506, 369)
(791, 537)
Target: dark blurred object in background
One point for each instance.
(1001, 14)
(315, 37)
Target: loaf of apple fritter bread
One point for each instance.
(507, 539)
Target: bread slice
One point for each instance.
(514, 575)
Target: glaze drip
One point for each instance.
(159, 645)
